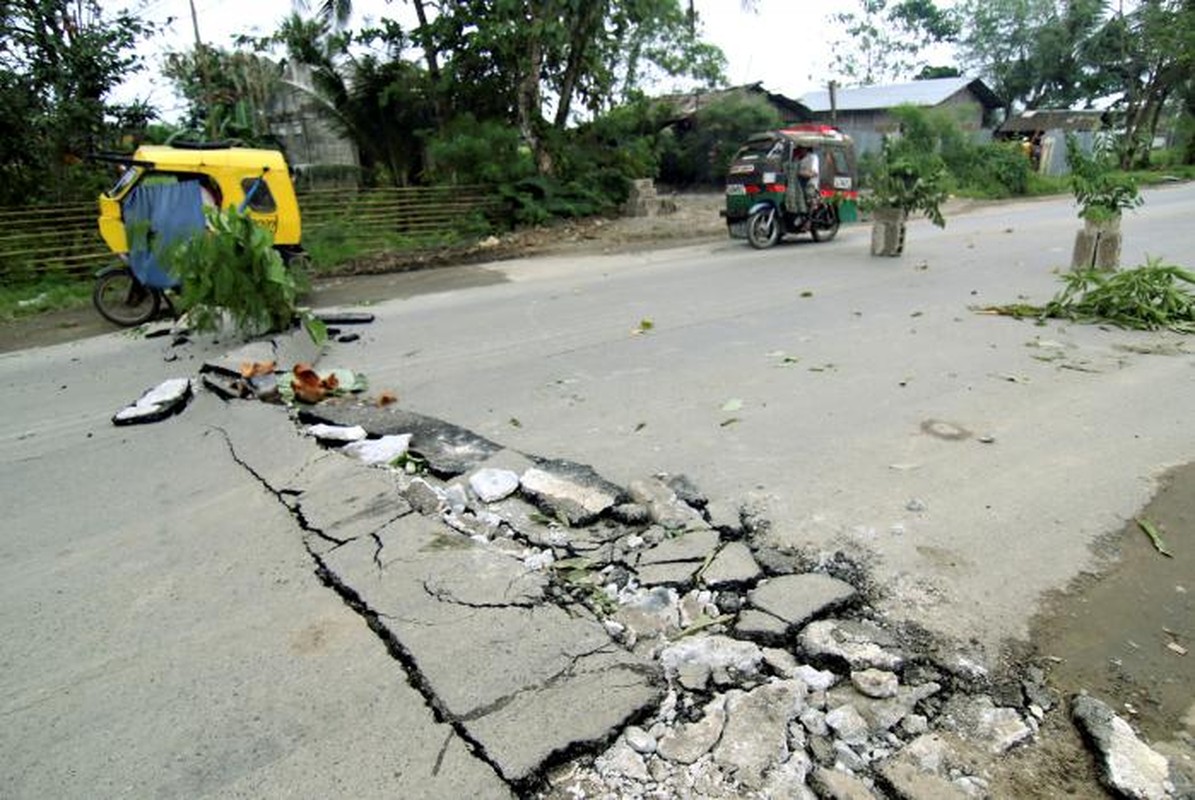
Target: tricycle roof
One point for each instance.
(246, 159)
(809, 135)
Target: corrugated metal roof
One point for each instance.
(1050, 119)
(918, 93)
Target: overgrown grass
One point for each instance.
(23, 297)
(332, 244)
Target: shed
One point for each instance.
(685, 105)
(1044, 130)
(864, 112)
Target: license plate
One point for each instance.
(736, 188)
(842, 182)
(738, 230)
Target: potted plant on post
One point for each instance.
(1103, 194)
(908, 180)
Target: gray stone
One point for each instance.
(663, 506)
(832, 784)
(875, 683)
(668, 574)
(526, 679)
(846, 756)
(814, 721)
(788, 780)
(684, 744)
(688, 548)
(755, 738)
(922, 770)
(572, 491)
(760, 626)
(621, 760)
(491, 484)
(649, 612)
(425, 497)
(728, 660)
(639, 740)
(799, 598)
(994, 728)
(448, 449)
(733, 564)
(1128, 765)
(818, 680)
(856, 643)
(882, 714)
(529, 523)
(848, 724)
(782, 662)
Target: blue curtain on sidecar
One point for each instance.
(156, 216)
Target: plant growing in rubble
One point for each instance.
(233, 267)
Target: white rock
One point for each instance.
(875, 683)
(378, 451)
(640, 740)
(818, 680)
(336, 433)
(491, 484)
(848, 724)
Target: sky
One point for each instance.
(786, 44)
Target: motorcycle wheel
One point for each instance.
(764, 228)
(824, 226)
(122, 299)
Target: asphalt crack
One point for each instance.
(395, 648)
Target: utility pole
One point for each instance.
(201, 62)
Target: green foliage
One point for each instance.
(1149, 297)
(910, 174)
(471, 151)
(699, 153)
(234, 267)
(883, 41)
(228, 93)
(59, 61)
(1100, 189)
(23, 297)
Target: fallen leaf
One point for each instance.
(387, 398)
(251, 369)
(1177, 648)
(806, 293)
(728, 422)
(514, 422)
(733, 404)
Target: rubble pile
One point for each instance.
(774, 676)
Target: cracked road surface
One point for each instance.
(211, 606)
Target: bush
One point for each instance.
(699, 153)
(234, 267)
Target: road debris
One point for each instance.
(155, 404)
(1150, 530)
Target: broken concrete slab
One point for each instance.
(664, 507)
(834, 784)
(994, 728)
(336, 433)
(1128, 766)
(876, 683)
(693, 548)
(687, 742)
(760, 626)
(923, 769)
(882, 715)
(571, 491)
(796, 599)
(858, 643)
(523, 679)
(283, 349)
(157, 403)
(448, 449)
(728, 661)
(733, 565)
(755, 738)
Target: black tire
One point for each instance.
(122, 299)
(764, 228)
(825, 222)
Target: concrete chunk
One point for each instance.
(796, 599)
(1128, 766)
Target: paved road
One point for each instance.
(166, 635)
(832, 447)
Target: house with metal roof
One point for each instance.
(1044, 131)
(864, 112)
(684, 106)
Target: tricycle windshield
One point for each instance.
(761, 149)
(126, 179)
